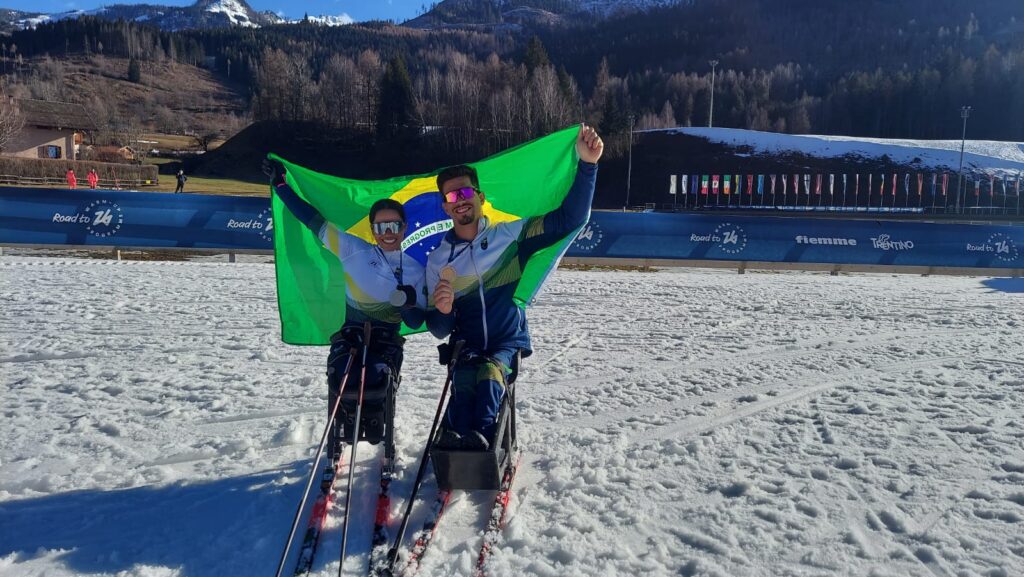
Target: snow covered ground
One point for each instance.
(1001, 159)
(688, 422)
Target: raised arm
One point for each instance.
(334, 239)
(301, 209)
(544, 231)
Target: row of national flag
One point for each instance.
(893, 183)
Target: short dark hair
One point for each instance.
(456, 172)
(387, 204)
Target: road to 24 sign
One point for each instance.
(136, 219)
(798, 240)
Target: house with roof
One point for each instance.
(51, 130)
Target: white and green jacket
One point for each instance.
(371, 274)
(489, 267)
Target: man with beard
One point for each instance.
(472, 277)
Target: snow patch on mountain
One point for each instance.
(203, 14)
(237, 12)
(37, 19)
(33, 21)
(610, 7)
(342, 19)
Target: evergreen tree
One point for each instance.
(397, 110)
(134, 71)
(536, 55)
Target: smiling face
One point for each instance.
(463, 212)
(389, 241)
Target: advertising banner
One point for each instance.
(164, 220)
(799, 240)
(137, 219)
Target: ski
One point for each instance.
(317, 517)
(425, 536)
(381, 539)
(496, 523)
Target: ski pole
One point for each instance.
(393, 553)
(355, 444)
(316, 462)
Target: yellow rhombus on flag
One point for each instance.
(529, 180)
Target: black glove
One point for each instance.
(274, 170)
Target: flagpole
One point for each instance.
(672, 190)
(711, 107)
(964, 113)
(934, 179)
(629, 169)
(881, 192)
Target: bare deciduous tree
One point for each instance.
(11, 121)
(205, 139)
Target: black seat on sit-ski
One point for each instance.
(481, 470)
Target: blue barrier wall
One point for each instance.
(806, 240)
(147, 219)
(137, 219)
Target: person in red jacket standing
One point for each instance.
(92, 177)
(72, 181)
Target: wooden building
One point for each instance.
(51, 130)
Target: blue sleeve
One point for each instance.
(542, 232)
(413, 317)
(302, 210)
(440, 324)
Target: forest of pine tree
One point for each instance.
(867, 68)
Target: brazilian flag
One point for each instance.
(528, 180)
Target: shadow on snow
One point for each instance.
(1005, 285)
(234, 526)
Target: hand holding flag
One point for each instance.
(589, 145)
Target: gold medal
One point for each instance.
(448, 274)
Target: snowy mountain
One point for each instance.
(202, 14)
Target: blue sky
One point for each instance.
(359, 10)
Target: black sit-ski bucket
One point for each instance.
(480, 470)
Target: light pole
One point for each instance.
(711, 108)
(965, 111)
(629, 169)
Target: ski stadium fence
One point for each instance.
(127, 220)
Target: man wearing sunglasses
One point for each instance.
(382, 286)
(472, 276)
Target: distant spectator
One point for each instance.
(92, 177)
(72, 180)
(181, 181)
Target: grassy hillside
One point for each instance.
(170, 97)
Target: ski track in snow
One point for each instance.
(692, 422)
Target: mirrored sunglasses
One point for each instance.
(464, 193)
(392, 226)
